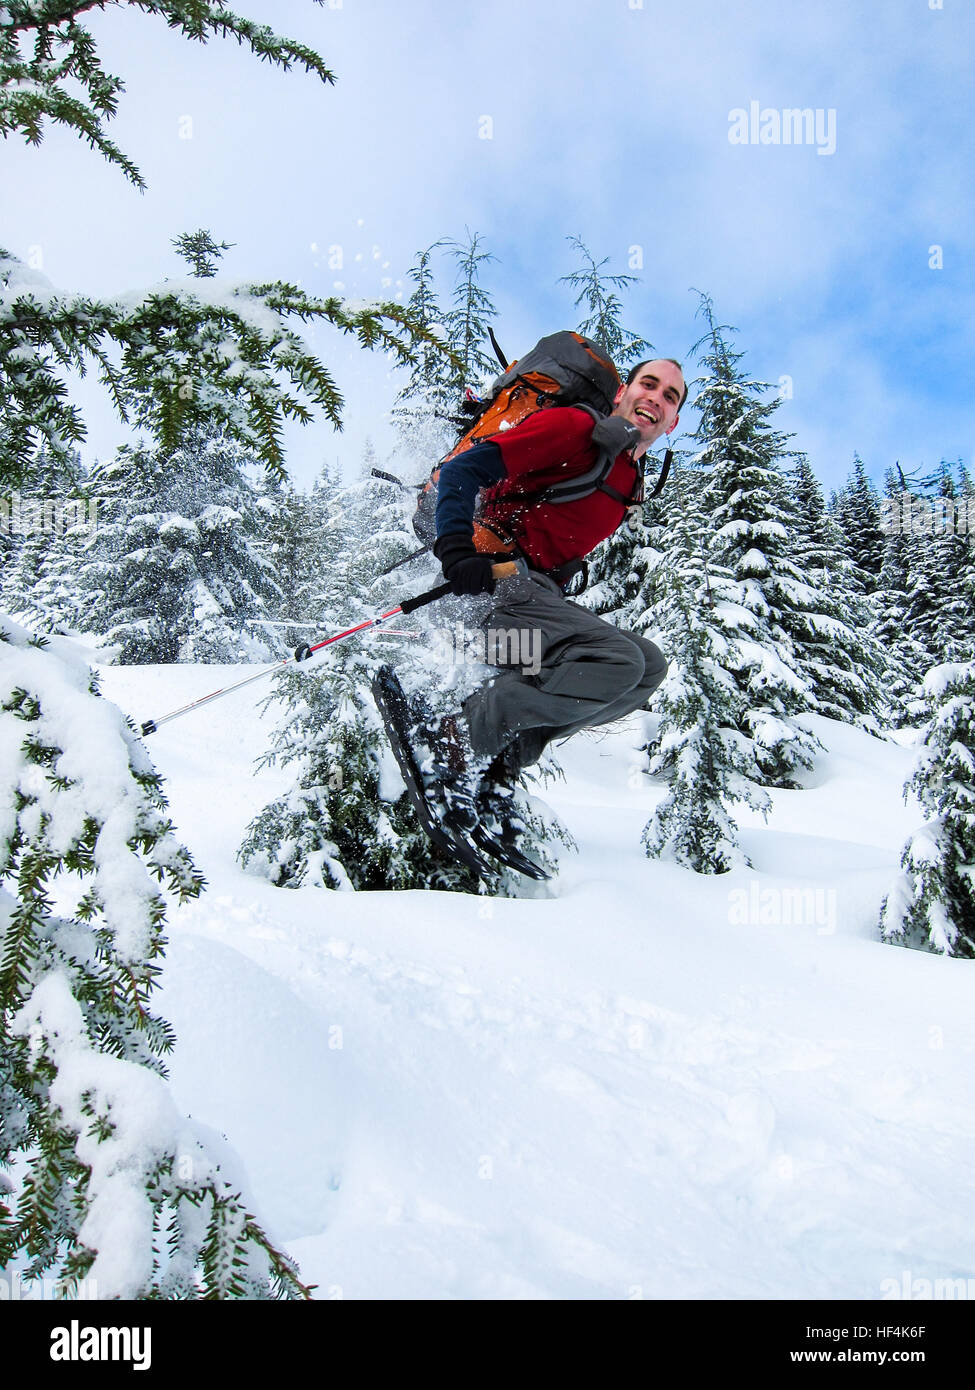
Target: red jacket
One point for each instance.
(549, 447)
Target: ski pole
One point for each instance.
(303, 652)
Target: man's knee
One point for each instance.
(656, 667)
(654, 664)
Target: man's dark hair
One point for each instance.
(635, 372)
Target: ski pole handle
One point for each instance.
(409, 605)
(503, 571)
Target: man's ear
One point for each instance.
(674, 425)
(619, 395)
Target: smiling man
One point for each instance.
(590, 673)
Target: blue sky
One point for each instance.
(609, 120)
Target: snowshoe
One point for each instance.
(451, 771)
(500, 825)
(397, 719)
(441, 781)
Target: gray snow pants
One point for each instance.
(587, 672)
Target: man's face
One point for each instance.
(651, 401)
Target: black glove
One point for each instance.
(468, 571)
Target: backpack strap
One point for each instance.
(497, 350)
(612, 436)
(668, 460)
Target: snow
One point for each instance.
(939, 678)
(94, 762)
(644, 1084)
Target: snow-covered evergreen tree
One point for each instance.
(52, 519)
(939, 613)
(699, 747)
(613, 565)
(468, 322)
(293, 544)
(966, 503)
(834, 644)
(623, 568)
(857, 513)
(767, 597)
(603, 321)
(907, 657)
(176, 570)
(345, 822)
(105, 1179)
(424, 409)
(932, 902)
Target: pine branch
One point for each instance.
(224, 357)
(31, 90)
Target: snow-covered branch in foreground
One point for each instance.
(109, 1182)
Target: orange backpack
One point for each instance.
(563, 369)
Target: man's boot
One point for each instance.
(496, 796)
(452, 772)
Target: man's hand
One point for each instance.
(467, 571)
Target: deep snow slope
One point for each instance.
(647, 1084)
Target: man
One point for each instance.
(590, 673)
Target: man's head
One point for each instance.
(651, 398)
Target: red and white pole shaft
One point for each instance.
(304, 652)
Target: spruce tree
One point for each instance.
(623, 568)
(604, 309)
(176, 571)
(932, 902)
(292, 545)
(857, 513)
(751, 520)
(424, 408)
(698, 748)
(53, 517)
(966, 502)
(468, 323)
(939, 613)
(835, 647)
(345, 822)
(105, 1180)
(907, 657)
